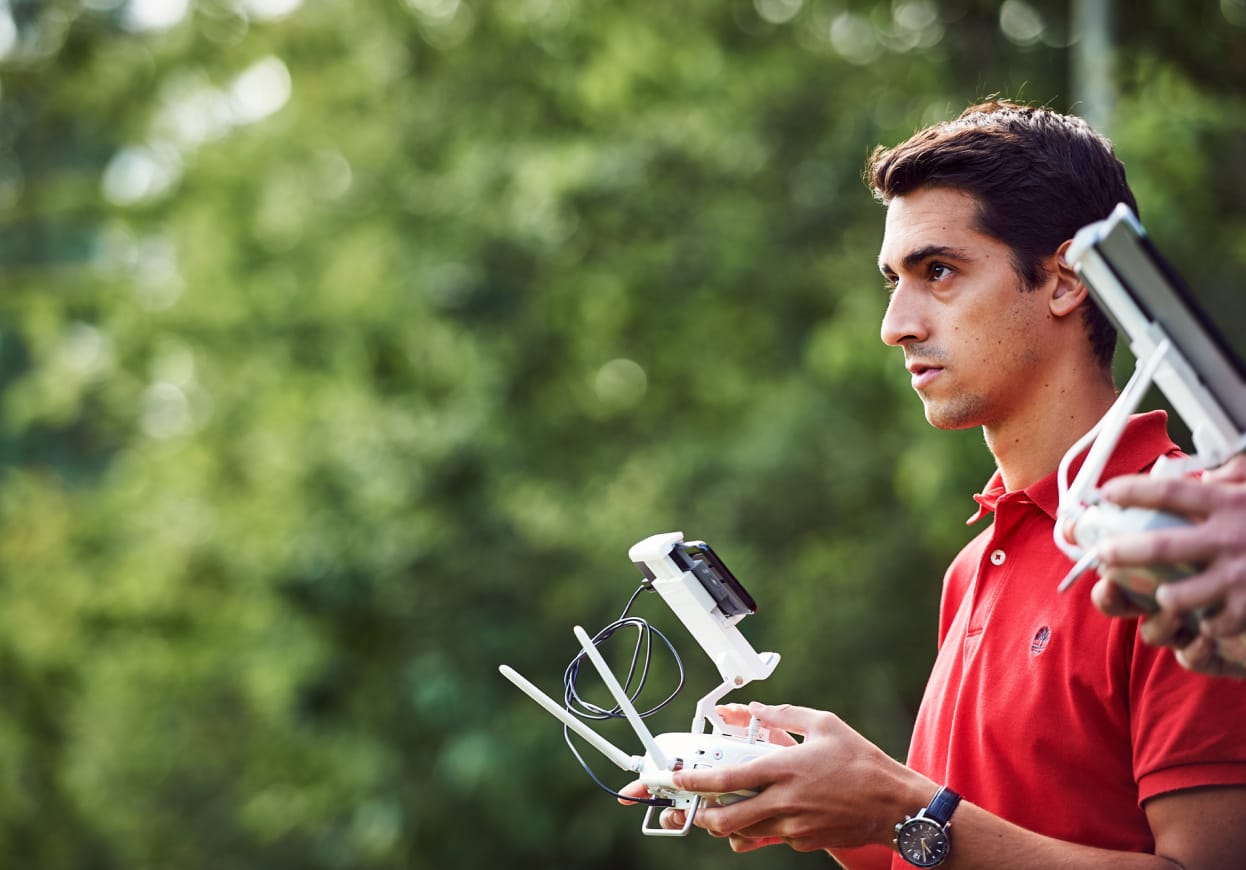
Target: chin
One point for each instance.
(952, 416)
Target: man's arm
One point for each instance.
(1216, 540)
(836, 790)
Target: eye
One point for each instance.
(938, 271)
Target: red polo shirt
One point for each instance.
(1045, 712)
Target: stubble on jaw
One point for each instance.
(964, 410)
(961, 412)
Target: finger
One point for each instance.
(1201, 655)
(1164, 629)
(781, 738)
(1233, 471)
(1198, 655)
(1111, 599)
(672, 819)
(780, 829)
(719, 780)
(1229, 619)
(804, 844)
(739, 716)
(1183, 495)
(741, 817)
(772, 826)
(1206, 591)
(1232, 649)
(1176, 545)
(749, 776)
(734, 714)
(790, 718)
(635, 789)
(741, 843)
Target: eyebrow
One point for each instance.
(915, 258)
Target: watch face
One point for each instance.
(923, 843)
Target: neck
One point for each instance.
(1028, 445)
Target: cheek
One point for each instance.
(1006, 343)
(1027, 328)
(1013, 326)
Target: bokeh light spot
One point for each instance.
(266, 10)
(778, 11)
(260, 90)
(854, 39)
(153, 15)
(620, 384)
(1021, 22)
(141, 173)
(165, 411)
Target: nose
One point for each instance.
(902, 322)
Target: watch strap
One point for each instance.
(942, 805)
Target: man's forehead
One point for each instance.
(932, 209)
(926, 222)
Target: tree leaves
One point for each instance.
(348, 347)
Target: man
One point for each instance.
(1071, 742)
(1215, 540)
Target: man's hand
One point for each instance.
(731, 714)
(834, 790)
(1215, 540)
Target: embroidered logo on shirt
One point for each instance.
(1039, 643)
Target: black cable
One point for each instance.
(637, 673)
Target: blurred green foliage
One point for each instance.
(346, 347)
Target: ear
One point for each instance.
(1068, 292)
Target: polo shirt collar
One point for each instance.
(1145, 438)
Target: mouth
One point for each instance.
(923, 374)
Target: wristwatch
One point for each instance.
(923, 839)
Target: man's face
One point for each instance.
(972, 337)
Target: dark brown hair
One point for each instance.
(1038, 176)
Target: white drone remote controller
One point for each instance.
(709, 601)
(1179, 348)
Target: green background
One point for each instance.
(346, 348)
